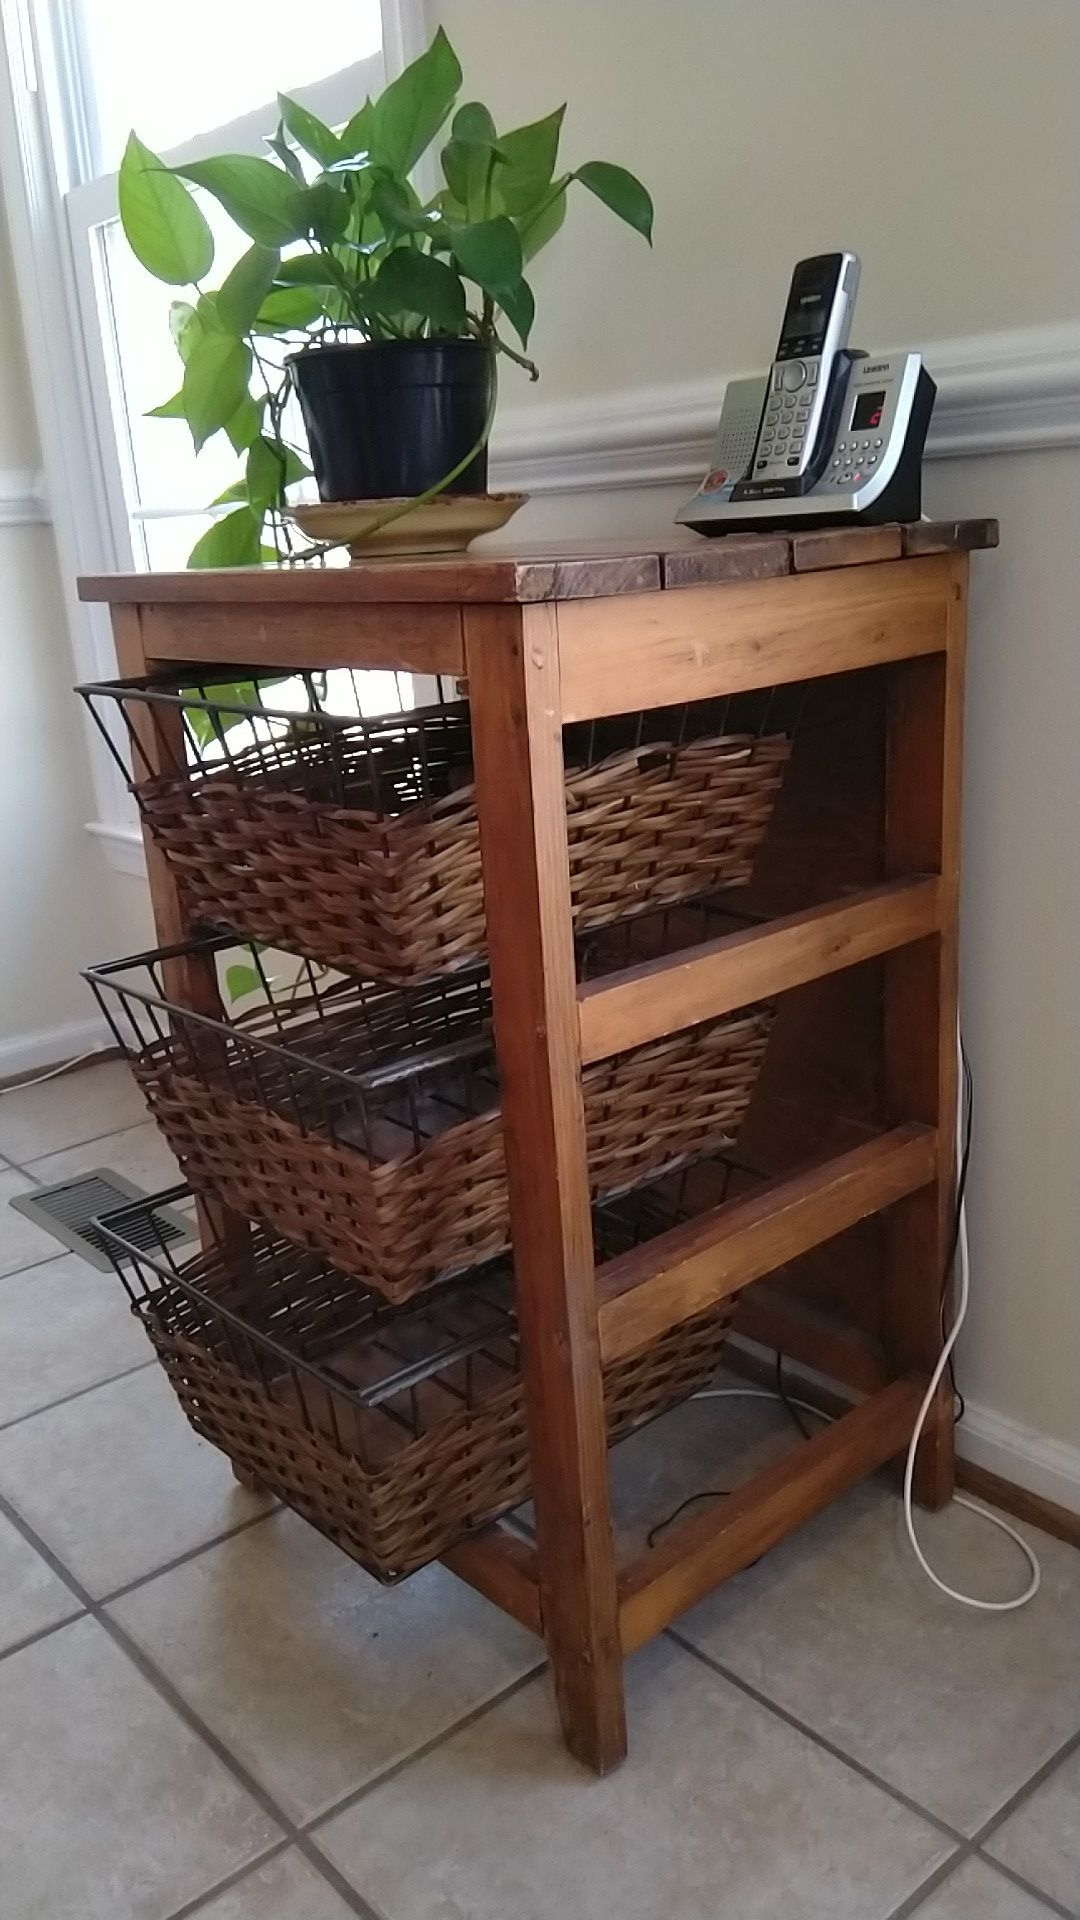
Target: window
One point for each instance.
(200, 78)
(126, 491)
(177, 72)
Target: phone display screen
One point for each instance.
(809, 300)
(867, 411)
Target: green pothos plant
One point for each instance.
(343, 247)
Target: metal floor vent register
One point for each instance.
(68, 1211)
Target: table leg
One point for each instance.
(512, 660)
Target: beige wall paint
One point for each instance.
(18, 432)
(936, 137)
(61, 907)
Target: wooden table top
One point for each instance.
(556, 571)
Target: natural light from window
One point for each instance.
(174, 72)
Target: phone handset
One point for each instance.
(806, 380)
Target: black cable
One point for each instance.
(722, 1493)
(782, 1395)
(708, 1493)
(959, 1406)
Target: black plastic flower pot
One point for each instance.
(390, 418)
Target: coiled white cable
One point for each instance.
(964, 1268)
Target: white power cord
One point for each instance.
(964, 1265)
(961, 1500)
(17, 1086)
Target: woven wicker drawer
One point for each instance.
(355, 841)
(392, 1430)
(364, 1121)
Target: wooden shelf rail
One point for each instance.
(661, 996)
(699, 1552)
(716, 1254)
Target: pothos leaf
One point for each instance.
(621, 191)
(310, 132)
(244, 424)
(278, 145)
(231, 542)
(542, 224)
(519, 307)
(529, 154)
(165, 229)
(410, 282)
(215, 382)
(243, 290)
(261, 198)
(240, 981)
(409, 112)
(172, 409)
(489, 252)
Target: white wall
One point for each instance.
(937, 138)
(59, 905)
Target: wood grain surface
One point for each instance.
(555, 570)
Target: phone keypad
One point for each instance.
(787, 415)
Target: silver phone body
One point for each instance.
(816, 325)
(861, 462)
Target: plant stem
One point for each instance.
(519, 359)
(341, 281)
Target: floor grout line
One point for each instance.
(909, 1908)
(192, 1553)
(299, 1835)
(202, 1900)
(1044, 1899)
(31, 1265)
(42, 1633)
(356, 1794)
(26, 1167)
(1015, 1800)
(967, 1846)
(166, 1691)
(919, 1895)
(79, 1393)
(820, 1740)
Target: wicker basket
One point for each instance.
(364, 1121)
(391, 1430)
(355, 841)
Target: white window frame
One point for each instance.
(45, 152)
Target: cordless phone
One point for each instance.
(829, 433)
(806, 378)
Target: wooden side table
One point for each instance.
(557, 636)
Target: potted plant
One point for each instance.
(387, 313)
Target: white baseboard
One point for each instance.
(1001, 392)
(1021, 1454)
(22, 498)
(124, 848)
(1016, 1453)
(51, 1046)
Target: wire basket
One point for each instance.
(289, 816)
(364, 1121)
(392, 1430)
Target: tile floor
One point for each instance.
(206, 1710)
